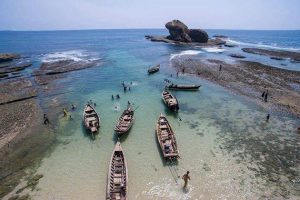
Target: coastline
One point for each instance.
(50, 97)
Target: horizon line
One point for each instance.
(94, 29)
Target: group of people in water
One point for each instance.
(126, 87)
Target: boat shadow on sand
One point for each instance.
(172, 165)
(88, 134)
(120, 138)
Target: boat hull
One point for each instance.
(117, 177)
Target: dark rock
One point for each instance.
(15, 68)
(237, 55)
(5, 57)
(220, 36)
(229, 45)
(198, 35)
(276, 58)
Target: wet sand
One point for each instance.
(249, 79)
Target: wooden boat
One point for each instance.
(125, 121)
(117, 178)
(91, 119)
(182, 87)
(170, 101)
(166, 138)
(154, 69)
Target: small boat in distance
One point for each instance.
(91, 119)
(117, 178)
(154, 69)
(182, 87)
(170, 100)
(125, 121)
(166, 138)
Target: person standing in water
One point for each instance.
(186, 178)
(266, 96)
(268, 117)
(220, 68)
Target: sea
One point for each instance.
(223, 139)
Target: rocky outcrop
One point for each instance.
(234, 55)
(198, 35)
(179, 32)
(50, 71)
(5, 57)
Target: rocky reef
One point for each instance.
(5, 57)
(275, 54)
(249, 79)
(181, 34)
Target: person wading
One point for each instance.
(186, 178)
(268, 117)
(266, 96)
(46, 120)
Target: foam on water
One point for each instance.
(185, 53)
(262, 45)
(214, 49)
(74, 55)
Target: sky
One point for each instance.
(124, 14)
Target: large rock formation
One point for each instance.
(180, 32)
(198, 35)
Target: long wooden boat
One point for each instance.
(91, 119)
(170, 100)
(125, 121)
(166, 138)
(182, 87)
(117, 178)
(154, 69)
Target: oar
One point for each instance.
(136, 108)
(175, 168)
(175, 176)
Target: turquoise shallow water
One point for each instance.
(222, 138)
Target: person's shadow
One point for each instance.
(185, 190)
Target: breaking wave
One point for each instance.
(213, 49)
(184, 53)
(262, 45)
(73, 55)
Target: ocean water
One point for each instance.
(223, 139)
